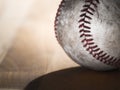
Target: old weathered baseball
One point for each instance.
(89, 32)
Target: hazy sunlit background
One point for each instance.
(28, 42)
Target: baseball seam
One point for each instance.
(59, 10)
(88, 10)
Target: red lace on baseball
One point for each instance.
(88, 10)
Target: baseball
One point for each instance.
(89, 32)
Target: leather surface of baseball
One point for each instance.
(89, 32)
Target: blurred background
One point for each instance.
(28, 47)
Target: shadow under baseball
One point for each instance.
(77, 79)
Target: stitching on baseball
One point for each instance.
(88, 10)
(59, 10)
